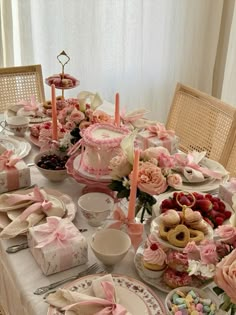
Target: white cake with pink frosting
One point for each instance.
(100, 143)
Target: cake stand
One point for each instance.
(63, 59)
(91, 182)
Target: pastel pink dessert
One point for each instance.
(175, 279)
(100, 143)
(177, 261)
(154, 260)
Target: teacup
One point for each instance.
(16, 124)
(96, 207)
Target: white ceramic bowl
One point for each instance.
(18, 125)
(96, 207)
(110, 245)
(52, 175)
(186, 289)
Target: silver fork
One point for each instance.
(90, 270)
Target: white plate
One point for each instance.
(33, 120)
(135, 296)
(18, 145)
(155, 228)
(82, 172)
(159, 283)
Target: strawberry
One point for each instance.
(221, 205)
(209, 196)
(227, 214)
(198, 196)
(219, 220)
(204, 205)
(185, 201)
(216, 206)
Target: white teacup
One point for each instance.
(96, 207)
(16, 124)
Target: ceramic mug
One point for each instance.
(16, 124)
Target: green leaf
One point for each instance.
(218, 290)
(123, 194)
(116, 185)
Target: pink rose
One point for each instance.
(208, 253)
(120, 167)
(77, 116)
(70, 125)
(174, 180)
(192, 251)
(151, 179)
(84, 124)
(153, 152)
(225, 275)
(99, 117)
(89, 114)
(227, 233)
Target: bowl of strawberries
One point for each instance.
(212, 208)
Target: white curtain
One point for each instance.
(139, 48)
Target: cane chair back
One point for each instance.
(203, 123)
(20, 83)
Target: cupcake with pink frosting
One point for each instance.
(154, 260)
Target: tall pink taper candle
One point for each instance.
(54, 114)
(117, 110)
(133, 188)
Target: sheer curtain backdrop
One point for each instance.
(140, 48)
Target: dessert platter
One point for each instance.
(18, 145)
(35, 117)
(159, 282)
(134, 295)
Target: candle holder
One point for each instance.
(63, 81)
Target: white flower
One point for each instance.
(194, 267)
(197, 268)
(126, 183)
(66, 140)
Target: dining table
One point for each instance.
(20, 275)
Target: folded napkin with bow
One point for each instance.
(38, 204)
(99, 299)
(194, 168)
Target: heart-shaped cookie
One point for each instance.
(170, 218)
(196, 236)
(179, 236)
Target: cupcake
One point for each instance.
(177, 261)
(175, 279)
(154, 260)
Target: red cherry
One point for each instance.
(219, 220)
(154, 246)
(227, 214)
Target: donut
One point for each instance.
(196, 236)
(177, 260)
(179, 236)
(170, 218)
(175, 279)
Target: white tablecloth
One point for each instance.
(19, 273)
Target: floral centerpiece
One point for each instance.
(216, 259)
(154, 175)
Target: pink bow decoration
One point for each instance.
(37, 198)
(31, 105)
(109, 306)
(188, 161)
(132, 117)
(232, 184)
(54, 230)
(160, 131)
(134, 229)
(7, 160)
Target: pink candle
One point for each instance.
(133, 188)
(54, 114)
(117, 110)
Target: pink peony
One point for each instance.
(151, 179)
(153, 152)
(227, 233)
(208, 253)
(174, 180)
(192, 251)
(120, 167)
(225, 275)
(100, 117)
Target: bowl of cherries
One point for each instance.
(51, 165)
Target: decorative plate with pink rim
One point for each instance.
(135, 296)
(159, 283)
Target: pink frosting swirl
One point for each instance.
(154, 255)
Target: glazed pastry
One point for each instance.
(177, 261)
(170, 218)
(175, 279)
(196, 236)
(179, 236)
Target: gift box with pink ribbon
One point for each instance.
(156, 136)
(14, 173)
(57, 245)
(227, 190)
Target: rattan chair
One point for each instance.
(203, 123)
(20, 83)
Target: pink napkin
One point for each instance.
(99, 299)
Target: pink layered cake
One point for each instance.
(100, 143)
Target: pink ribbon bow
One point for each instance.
(31, 105)
(54, 230)
(37, 197)
(160, 131)
(134, 229)
(6, 160)
(110, 307)
(188, 161)
(136, 115)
